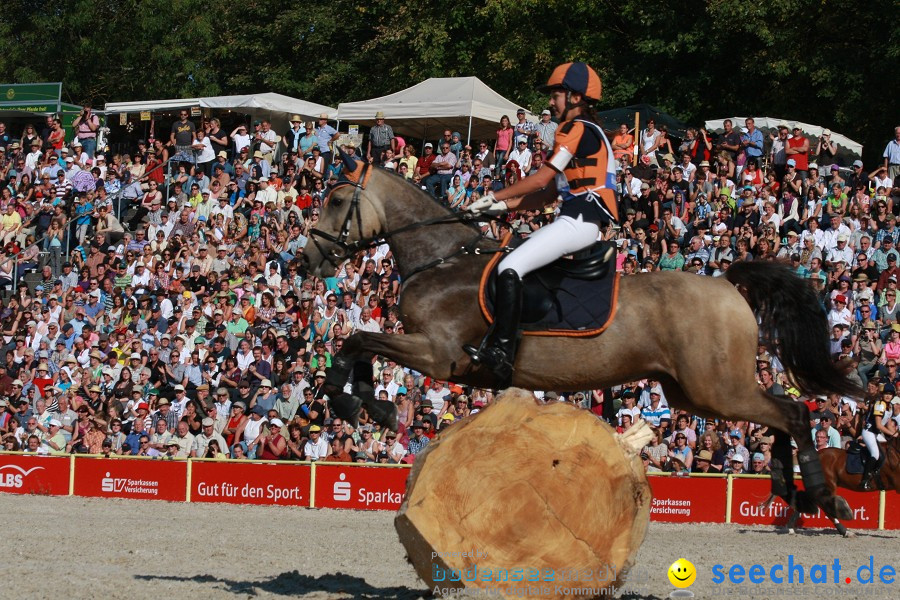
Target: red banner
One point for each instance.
(687, 499)
(141, 479)
(33, 474)
(342, 485)
(748, 494)
(234, 482)
(891, 510)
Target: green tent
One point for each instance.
(611, 119)
(20, 99)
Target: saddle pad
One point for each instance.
(854, 464)
(578, 307)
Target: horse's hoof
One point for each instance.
(384, 413)
(837, 508)
(347, 407)
(791, 531)
(848, 534)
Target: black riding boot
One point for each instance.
(498, 349)
(873, 465)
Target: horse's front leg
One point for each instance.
(344, 405)
(414, 350)
(356, 358)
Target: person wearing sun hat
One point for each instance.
(381, 139)
(316, 448)
(418, 441)
(291, 138)
(326, 135)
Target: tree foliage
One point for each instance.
(828, 63)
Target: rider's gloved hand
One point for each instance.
(488, 205)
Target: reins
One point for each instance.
(348, 248)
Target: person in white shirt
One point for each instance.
(273, 278)
(688, 169)
(266, 192)
(366, 322)
(521, 155)
(842, 252)
(244, 356)
(839, 315)
(388, 384)
(316, 448)
(71, 168)
(241, 138)
(81, 158)
(838, 229)
(436, 394)
(267, 141)
(165, 227)
(222, 208)
(141, 277)
(634, 184)
(33, 157)
(203, 150)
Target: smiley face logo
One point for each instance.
(682, 573)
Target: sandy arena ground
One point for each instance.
(129, 550)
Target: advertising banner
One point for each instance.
(32, 474)
(342, 485)
(891, 510)
(282, 484)
(688, 499)
(747, 496)
(141, 479)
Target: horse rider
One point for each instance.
(874, 425)
(582, 171)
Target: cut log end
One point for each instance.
(542, 488)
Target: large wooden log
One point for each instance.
(549, 489)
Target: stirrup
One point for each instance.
(867, 481)
(474, 352)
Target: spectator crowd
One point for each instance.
(156, 302)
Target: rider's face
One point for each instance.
(557, 102)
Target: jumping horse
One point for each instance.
(697, 335)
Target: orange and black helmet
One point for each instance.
(575, 77)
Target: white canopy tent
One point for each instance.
(275, 107)
(464, 104)
(848, 150)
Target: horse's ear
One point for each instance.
(352, 167)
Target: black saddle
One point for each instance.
(570, 294)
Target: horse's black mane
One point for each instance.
(424, 194)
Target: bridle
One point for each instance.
(342, 248)
(340, 241)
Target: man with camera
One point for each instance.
(86, 125)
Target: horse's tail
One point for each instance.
(792, 324)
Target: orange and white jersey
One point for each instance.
(585, 163)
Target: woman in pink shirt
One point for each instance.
(503, 143)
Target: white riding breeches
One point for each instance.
(563, 236)
(870, 439)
